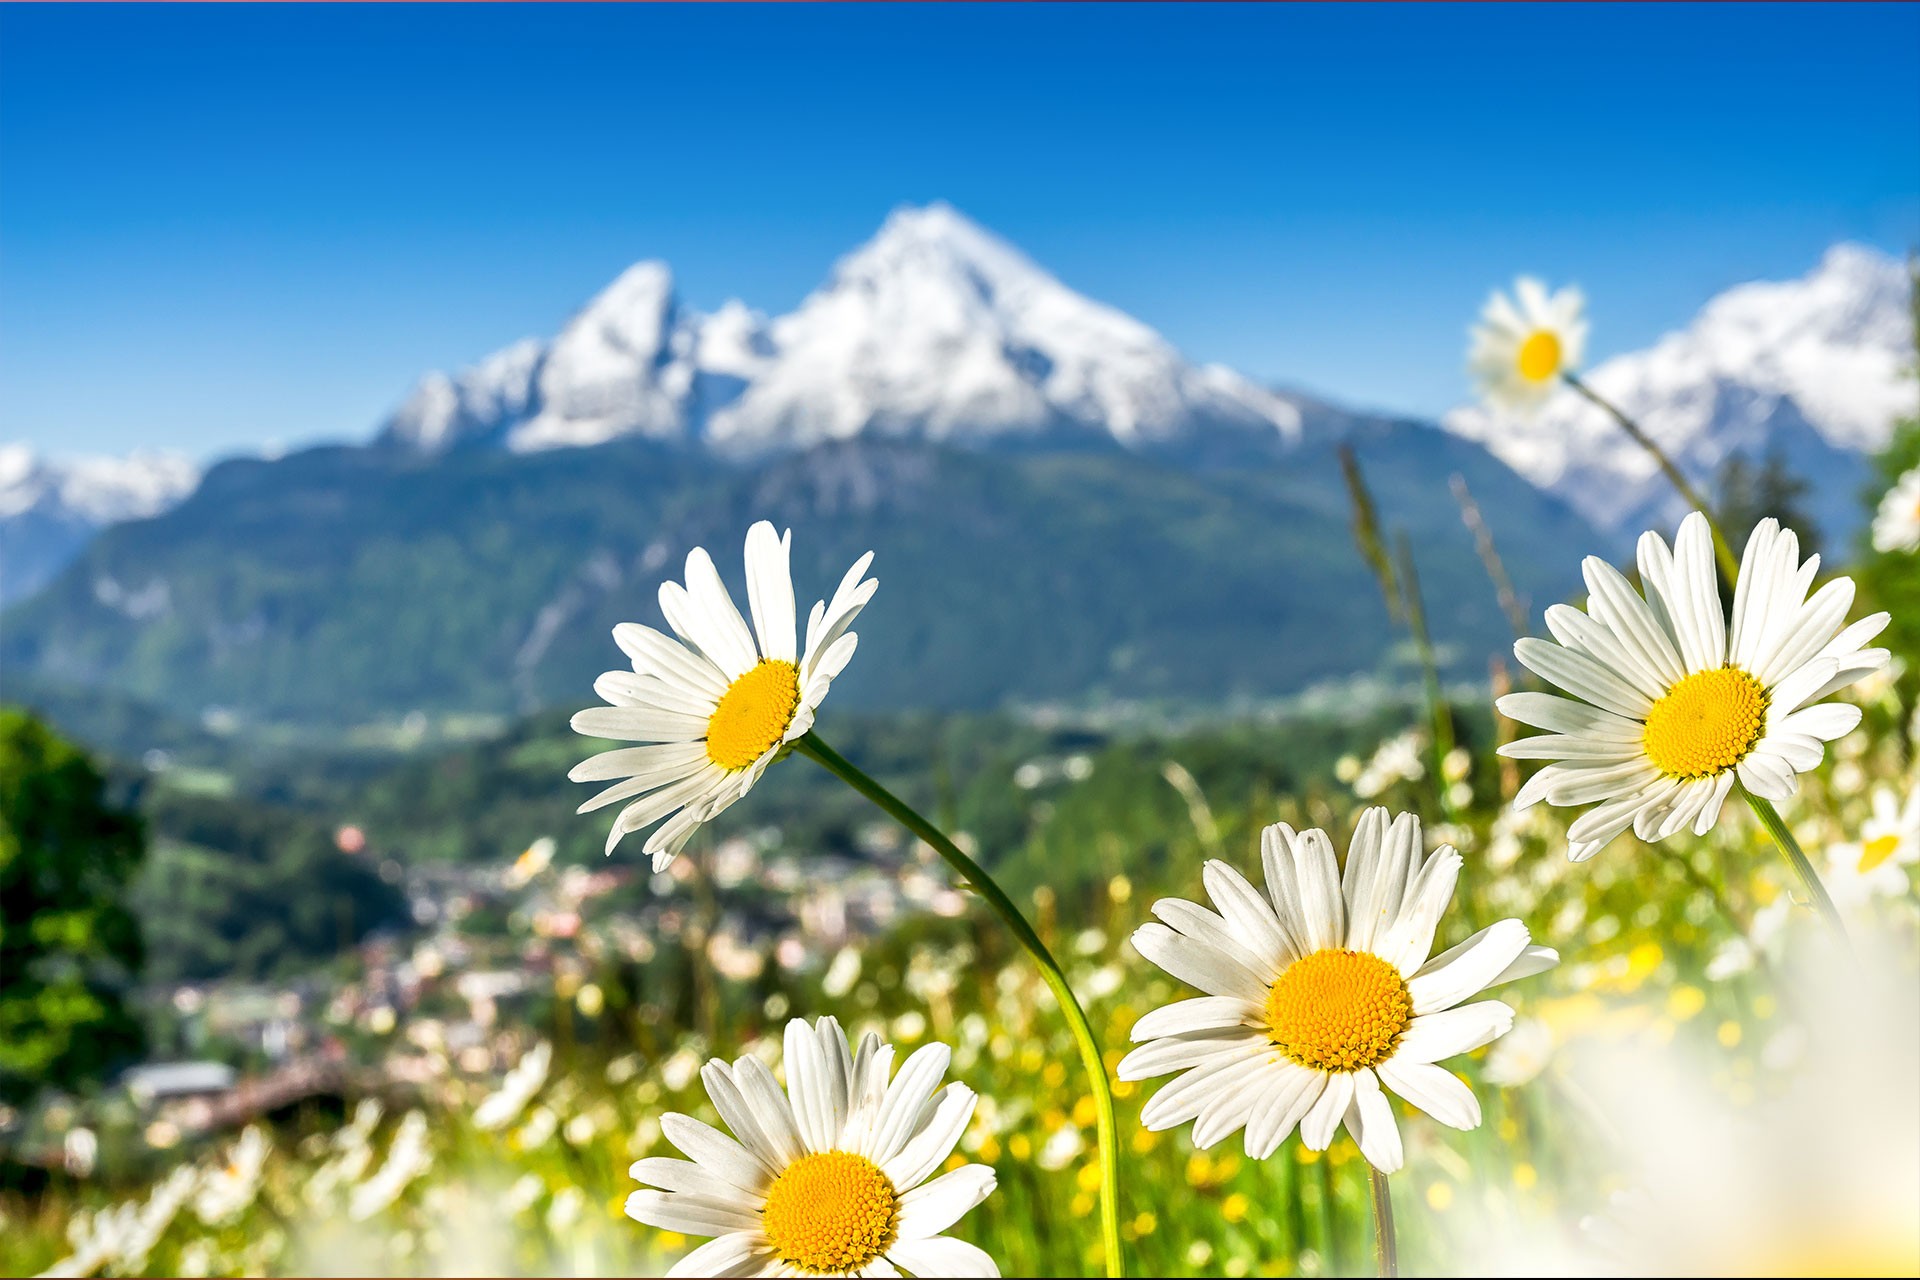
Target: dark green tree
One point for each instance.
(69, 945)
(1746, 493)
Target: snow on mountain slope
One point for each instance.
(937, 328)
(1814, 367)
(49, 509)
(932, 328)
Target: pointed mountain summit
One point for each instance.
(933, 329)
(1814, 368)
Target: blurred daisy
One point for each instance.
(226, 1191)
(1674, 703)
(829, 1177)
(501, 1107)
(1896, 526)
(1875, 865)
(721, 702)
(1523, 345)
(1320, 992)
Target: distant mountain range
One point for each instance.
(1064, 509)
(1817, 369)
(50, 510)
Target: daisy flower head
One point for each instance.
(830, 1177)
(1523, 344)
(1321, 991)
(719, 703)
(1896, 526)
(1672, 701)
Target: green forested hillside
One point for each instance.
(341, 586)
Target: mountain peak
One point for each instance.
(934, 327)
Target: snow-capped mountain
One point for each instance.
(50, 508)
(934, 328)
(1817, 368)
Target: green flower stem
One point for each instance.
(1770, 819)
(1386, 1247)
(811, 745)
(1728, 565)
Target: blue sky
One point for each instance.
(222, 226)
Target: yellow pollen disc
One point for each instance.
(1338, 1010)
(753, 714)
(1876, 851)
(1706, 723)
(830, 1211)
(1539, 357)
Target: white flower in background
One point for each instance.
(1875, 866)
(80, 1151)
(1320, 991)
(719, 704)
(1520, 1056)
(534, 859)
(1523, 345)
(499, 1108)
(407, 1158)
(1675, 704)
(226, 1191)
(1398, 759)
(1896, 526)
(830, 1177)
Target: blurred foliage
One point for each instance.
(234, 889)
(69, 944)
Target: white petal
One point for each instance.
(1582, 676)
(1208, 929)
(1434, 1090)
(638, 724)
(770, 592)
(1201, 1013)
(1462, 1029)
(907, 1097)
(929, 1209)
(738, 1253)
(1563, 715)
(1192, 1049)
(1407, 945)
(816, 1111)
(1370, 1121)
(717, 1152)
(1198, 965)
(1467, 969)
(942, 1256)
(1319, 1125)
(1827, 721)
(720, 631)
(668, 1174)
(1249, 916)
(691, 1214)
(934, 1140)
(629, 762)
(654, 653)
(1321, 903)
(1291, 1094)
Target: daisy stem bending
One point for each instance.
(1770, 819)
(812, 746)
(1386, 1247)
(1721, 550)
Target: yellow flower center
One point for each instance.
(1876, 851)
(1706, 723)
(753, 714)
(1539, 357)
(1338, 1010)
(830, 1211)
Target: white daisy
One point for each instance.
(1876, 864)
(1521, 349)
(1321, 991)
(720, 703)
(829, 1177)
(1896, 526)
(1676, 704)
